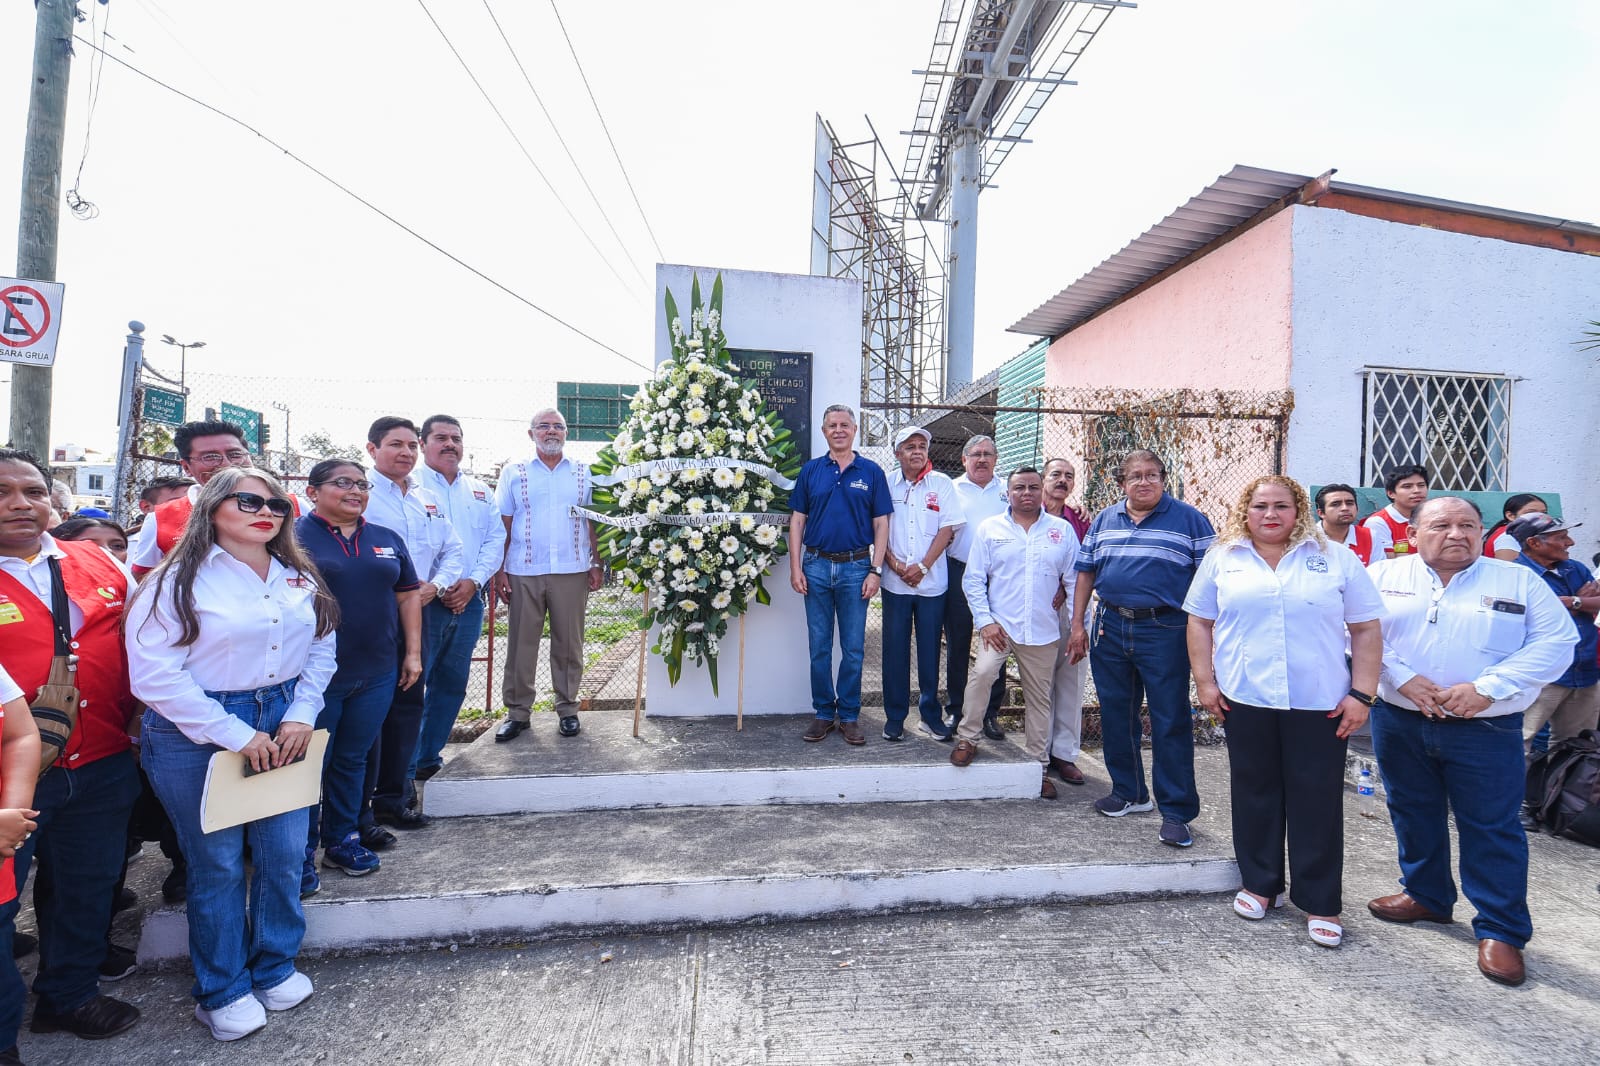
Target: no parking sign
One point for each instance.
(30, 319)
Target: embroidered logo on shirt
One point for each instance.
(383, 551)
(480, 496)
(932, 501)
(1054, 536)
(859, 484)
(298, 582)
(432, 509)
(1317, 564)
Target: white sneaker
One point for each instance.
(235, 1020)
(288, 995)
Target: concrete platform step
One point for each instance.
(705, 762)
(520, 877)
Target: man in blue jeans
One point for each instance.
(841, 509)
(454, 621)
(1140, 555)
(1468, 642)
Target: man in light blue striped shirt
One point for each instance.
(1140, 555)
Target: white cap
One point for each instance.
(905, 433)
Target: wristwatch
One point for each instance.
(1577, 603)
(878, 570)
(1362, 697)
(923, 567)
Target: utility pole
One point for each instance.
(290, 457)
(41, 204)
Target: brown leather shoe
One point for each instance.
(1402, 908)
(852, 733)
(1068, 772)
(1047, 788)
(1501, 962)
(963, 753)
(819, 728)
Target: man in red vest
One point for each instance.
(84, 799)
(1406, 487)
(1337, 509)
(203, 449)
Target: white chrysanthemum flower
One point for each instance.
(650, 447)
(697, 416)
(736, 435)
(658, 575)
(720, 600)
(688, 475)
(722, 477)
(697, 540)
(696, 506)
(657, 546)
(653, 508)
(767, 536)
(694, 344)
(738, 479)
(663, 400)
(660, 477)
(728, 544)
(687, 604)
(685, 440)
(746, 523)
(697, 391)
(670, 497)
(676, 555)
(690, 575)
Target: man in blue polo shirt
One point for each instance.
(1570, 703)
(1140, 555)
(841, 508)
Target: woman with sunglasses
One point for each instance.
(1268, 611)
(230, 644)
(369, 573)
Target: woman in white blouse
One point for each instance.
(230, 644)
(1268, 611)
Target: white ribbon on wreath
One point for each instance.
(710, 518)
(644, 469)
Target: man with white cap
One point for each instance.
(915, 582)
(1570, 703)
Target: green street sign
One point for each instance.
(161, 405)
(247, 420)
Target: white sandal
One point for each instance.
(1250, 909)
(1325, 934)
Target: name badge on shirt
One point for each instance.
(432, 509)
(9, 612)
(383, 551)
(1504, 606)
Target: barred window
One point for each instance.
(1458, 426)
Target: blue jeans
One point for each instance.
(244, 932)
(81, 840)
(833, 592)
(352, 713)
(450, 639)
(902, 614)
(1473, 767)
(1139, 660)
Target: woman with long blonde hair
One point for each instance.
(230, 644)
(1268, 612)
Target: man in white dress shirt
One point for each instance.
(1468, 643)
(453, 622)
(926, 517)
(551, 567)
(1014, 583)
(981, 495)
(400, 503)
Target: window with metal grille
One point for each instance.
(1458, 426)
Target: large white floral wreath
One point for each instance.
(687, 491)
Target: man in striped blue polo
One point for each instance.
(1140, 555)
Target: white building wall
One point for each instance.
(1372, 293)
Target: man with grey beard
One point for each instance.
(550, 568)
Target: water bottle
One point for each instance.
(1366, 795)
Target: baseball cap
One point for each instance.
(905, 433)
(1538, 525)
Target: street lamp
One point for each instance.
(183, 358)
(288, 441)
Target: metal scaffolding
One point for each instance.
(863, 227)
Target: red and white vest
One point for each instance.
(1399, 532)
(1363, 545)
(27, 644)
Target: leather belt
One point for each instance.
(842, 557)
(1142, 612)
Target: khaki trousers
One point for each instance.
(1568, 710)
(1035, 662)
(564, 599)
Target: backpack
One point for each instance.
(1563, 788)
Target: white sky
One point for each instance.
(304, 297)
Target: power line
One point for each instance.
(526, 154)
(556, 129)
(368, 204)
(618, 155)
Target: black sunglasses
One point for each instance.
(250, 503)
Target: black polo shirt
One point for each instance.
(363, 571)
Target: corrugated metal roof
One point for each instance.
(1234, 198)
(1230, 201)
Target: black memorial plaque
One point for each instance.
(784, 381)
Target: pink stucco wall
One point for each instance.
(1223, 322)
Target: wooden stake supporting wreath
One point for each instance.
(638, 684)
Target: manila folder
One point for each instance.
(230, 798)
